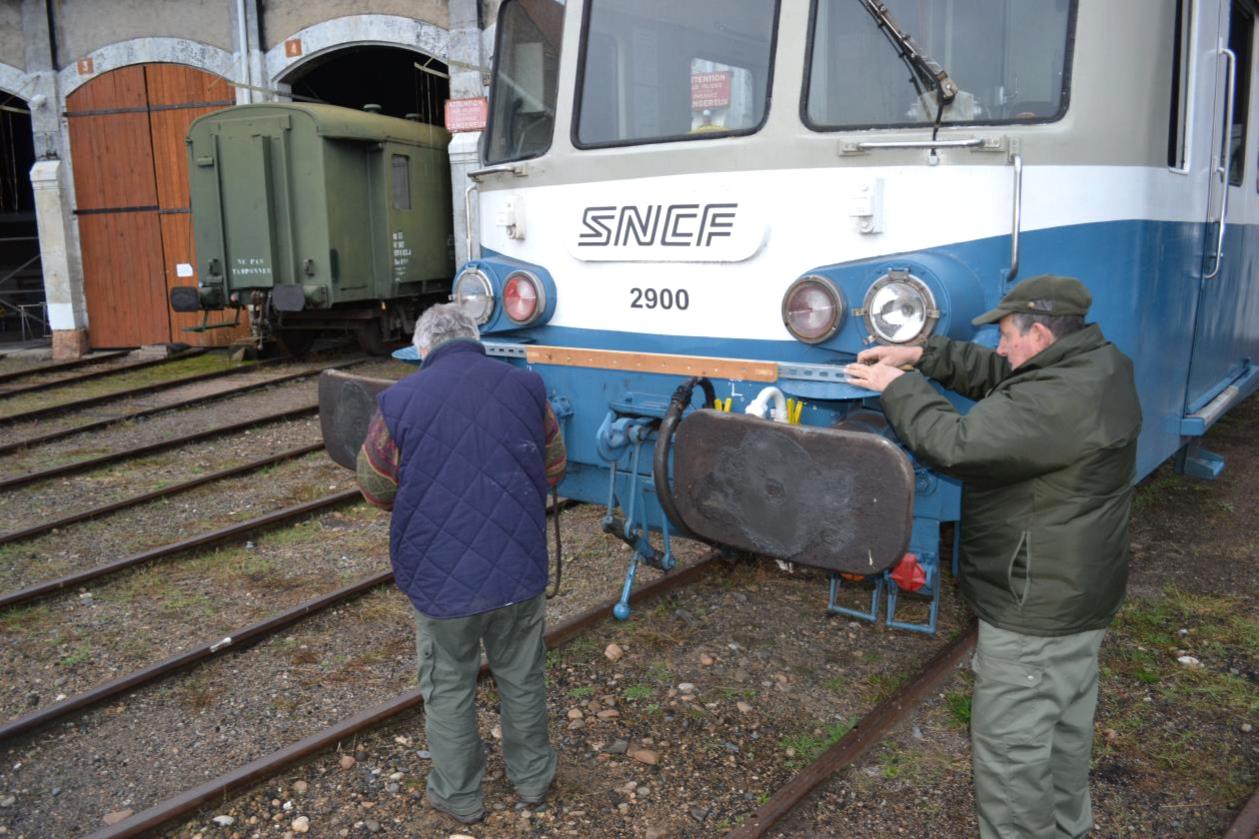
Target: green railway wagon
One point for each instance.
(315, 217)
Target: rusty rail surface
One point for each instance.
(80, 404)
(31, 592)
(40, 529)
(866, 734)
(140, 451)
(173, 406)
(100, 374)
(57, 367)
(268, 765)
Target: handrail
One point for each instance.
(1226, 159)
(1017, 222)
(514, 168)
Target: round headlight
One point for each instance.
(474, 294)
(524, 298)
(813, 309)
(900, 309)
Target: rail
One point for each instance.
(91, 401)
(151, 448)
(46, 527)
(37, 590)
(97, 374)
(864, 735)
(171, 406)
(56, 367)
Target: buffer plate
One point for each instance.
(346, 405)
(838, 500)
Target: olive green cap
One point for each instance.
(1043, 295)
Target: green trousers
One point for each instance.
(449, 656)
(1032, 732)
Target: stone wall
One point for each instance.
(12, 44)
(282, 18)
(86, 25)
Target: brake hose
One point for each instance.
(664, 443)
(559, 546)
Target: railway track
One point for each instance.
(864, 736)
(131, 393)
(265, 767)
(231, 642)
(288, 514)
(103, 509)
(52, 436)
(116, 370)
(15, 481)
(59, 366)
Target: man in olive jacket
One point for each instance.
(1047, 456)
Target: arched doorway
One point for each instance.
(127, 130)
(357, 75)
(22, 314)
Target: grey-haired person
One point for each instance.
(1047, 457)
(463, 452)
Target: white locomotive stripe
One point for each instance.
(798, 220)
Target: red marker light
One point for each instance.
(522, 298)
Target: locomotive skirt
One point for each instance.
(1032, 732)
(449, 657)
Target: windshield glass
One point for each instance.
(667, 70)
(1009, 57)
(522, 93)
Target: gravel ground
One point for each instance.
(721, 692)
(157, 741)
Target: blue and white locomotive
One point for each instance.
(726, 200)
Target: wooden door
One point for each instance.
(127, 130)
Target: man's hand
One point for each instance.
(893, 356)
(872, 376)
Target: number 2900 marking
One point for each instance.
(665, 298)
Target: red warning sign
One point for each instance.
(710, 90)
(466, 114)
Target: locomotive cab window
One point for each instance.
(655, 70)
(522, 92)
(1182, 55)
(1241, 33)
(1010, 59)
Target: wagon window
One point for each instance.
(401, 182)
(1008, 57)
(522, 92)
(655, 70)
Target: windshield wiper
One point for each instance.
(926, 69)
